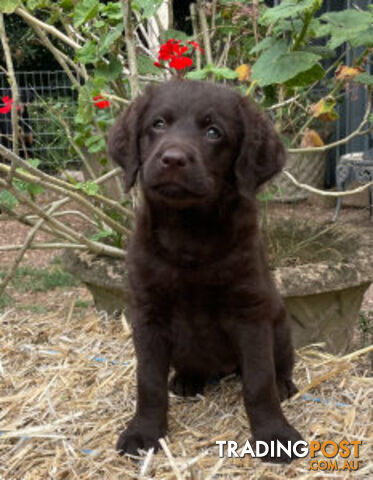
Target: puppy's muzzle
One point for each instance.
(175, 158)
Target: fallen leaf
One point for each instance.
(311, 139)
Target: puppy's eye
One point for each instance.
(213, 133)
(159, 124)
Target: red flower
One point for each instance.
(168, 49)
(173, 52)
(196, 46)
(8, 102)
(101, 103)
(179, 63)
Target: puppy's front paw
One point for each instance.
(139, 437)
(282, 433)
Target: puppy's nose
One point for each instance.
(173, 157)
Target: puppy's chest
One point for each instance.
(197, 334)
(191, 248)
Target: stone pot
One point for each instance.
(105, 277)
(307, 167)
(323, 299)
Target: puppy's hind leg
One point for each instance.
(187, 384)
(283, 356)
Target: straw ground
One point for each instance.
(67, 387)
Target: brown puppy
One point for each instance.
(203, 298)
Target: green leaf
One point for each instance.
(90, 188)
(277, 65)
(97, 84)
(264, 196)
(348, 26)
(93, 139)
(101, 234)
(113, 11)
(364, 38)
(290, 9)
(308, 77)
(99, 24)
(364, 78)
(8, 200)
(95, 144)
(145, 66)
(264, 44)
(34, 189)
(88, 53)
(67, 4)
(176, 34)
(224, 72)
(8, 6)
(109, 39)
(146, 8)
(197, 74)
(220, 73)
(34, 162)
(28, 187)
(324, 52)
(109, 71)
(85, 105)
(33, 4)
(85, 10)
(349, 19)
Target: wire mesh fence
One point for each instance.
(46, 98)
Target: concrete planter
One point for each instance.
(307, 167)
(323, 299)
(105, 278)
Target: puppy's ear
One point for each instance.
(123, 141)
(262, 154)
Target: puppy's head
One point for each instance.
(191, 141)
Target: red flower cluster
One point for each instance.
(173, 52)
(100, 102)
(8, 102)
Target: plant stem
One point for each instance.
(95, 247)
(26, 177)
(13, 86)
(205, 31)
(333, 92)
(131, 48)
(30, 237)
(65, 187)
(303, 32)
(358, 131)
(324, 193)
(48, 28)
(193, 15)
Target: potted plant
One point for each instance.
(298, 72)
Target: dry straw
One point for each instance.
(67, 387)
